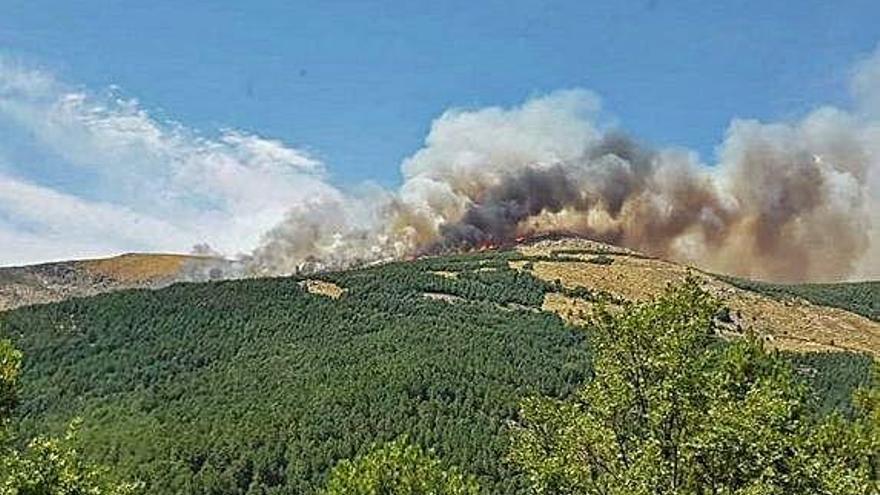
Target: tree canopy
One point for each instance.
(398, 468)
(46, 466)
(674, 410)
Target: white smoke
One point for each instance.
(785, 201)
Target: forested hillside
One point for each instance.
(262, 386)
(233, 386)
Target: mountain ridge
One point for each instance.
(778, 312)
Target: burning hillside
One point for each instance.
(787, 202)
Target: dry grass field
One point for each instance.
(322, 288)
(50, 282)
(135, 267)
(791, 324)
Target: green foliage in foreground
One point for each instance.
(859, 297)
(46, 466)
(10, 368)
(671, 412)
(398, 468)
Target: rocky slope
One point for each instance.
(50, 282)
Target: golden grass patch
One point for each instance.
(138, 267)
(445, 274)
(570, 309)
(790, 324)
(323, 288)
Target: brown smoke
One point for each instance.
(785, 201)
(783, 218)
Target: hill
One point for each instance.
(262, 385)
(800, 317)
(796, 322)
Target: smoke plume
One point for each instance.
(789, 201)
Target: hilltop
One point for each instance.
(262, 385)
(51, 282)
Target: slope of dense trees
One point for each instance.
(859, 297)
(257, 386)
(831, 376)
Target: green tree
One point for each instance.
(10, 364)
(398, 468)
(47, 466)
(672, 409)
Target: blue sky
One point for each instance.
(356, 85)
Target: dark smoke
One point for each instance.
(494, 219)
(784, 201)
(607, 178)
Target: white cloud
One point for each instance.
(865, 83)
(152, 183)
(42, 221)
